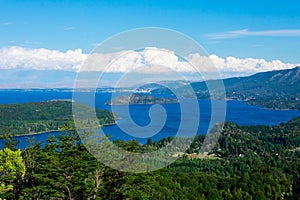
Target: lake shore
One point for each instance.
(59, 130)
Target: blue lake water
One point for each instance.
(237, 112)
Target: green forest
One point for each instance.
(42, 116)
(248, 162)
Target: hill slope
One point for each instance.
(273, 89)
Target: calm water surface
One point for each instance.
(237, 112)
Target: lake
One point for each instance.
(237, 112)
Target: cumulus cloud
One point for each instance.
(235, 66)
(40, 59)
(151, 60)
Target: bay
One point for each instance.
(237, 112)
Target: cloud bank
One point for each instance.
(40, 59)
(72, 60)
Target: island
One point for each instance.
(140, 99)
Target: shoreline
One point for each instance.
(59, 130)
(37, 133)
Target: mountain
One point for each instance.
(273, 89)
(272, 83)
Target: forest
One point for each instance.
(42, 117)
(248, 162)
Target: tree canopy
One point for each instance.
(250, 162)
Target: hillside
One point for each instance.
(273, 89)
(252, 162)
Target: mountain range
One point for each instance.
(278, 89)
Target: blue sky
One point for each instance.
(64, 25)
(242, 37)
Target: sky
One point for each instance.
(238, 35)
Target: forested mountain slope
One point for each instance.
(273, 89)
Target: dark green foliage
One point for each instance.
(64, 169)
(42, 116)
(251, 162)
(9, 140)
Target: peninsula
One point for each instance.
(140, 99)
(36, 117)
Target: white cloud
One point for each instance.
(246, 32)
(232, 66)
(150, 60)
(40, 59)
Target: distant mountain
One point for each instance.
(272, 83)
(274, 89)
(278, 89)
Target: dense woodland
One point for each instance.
(42, 116)
(249, 162)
